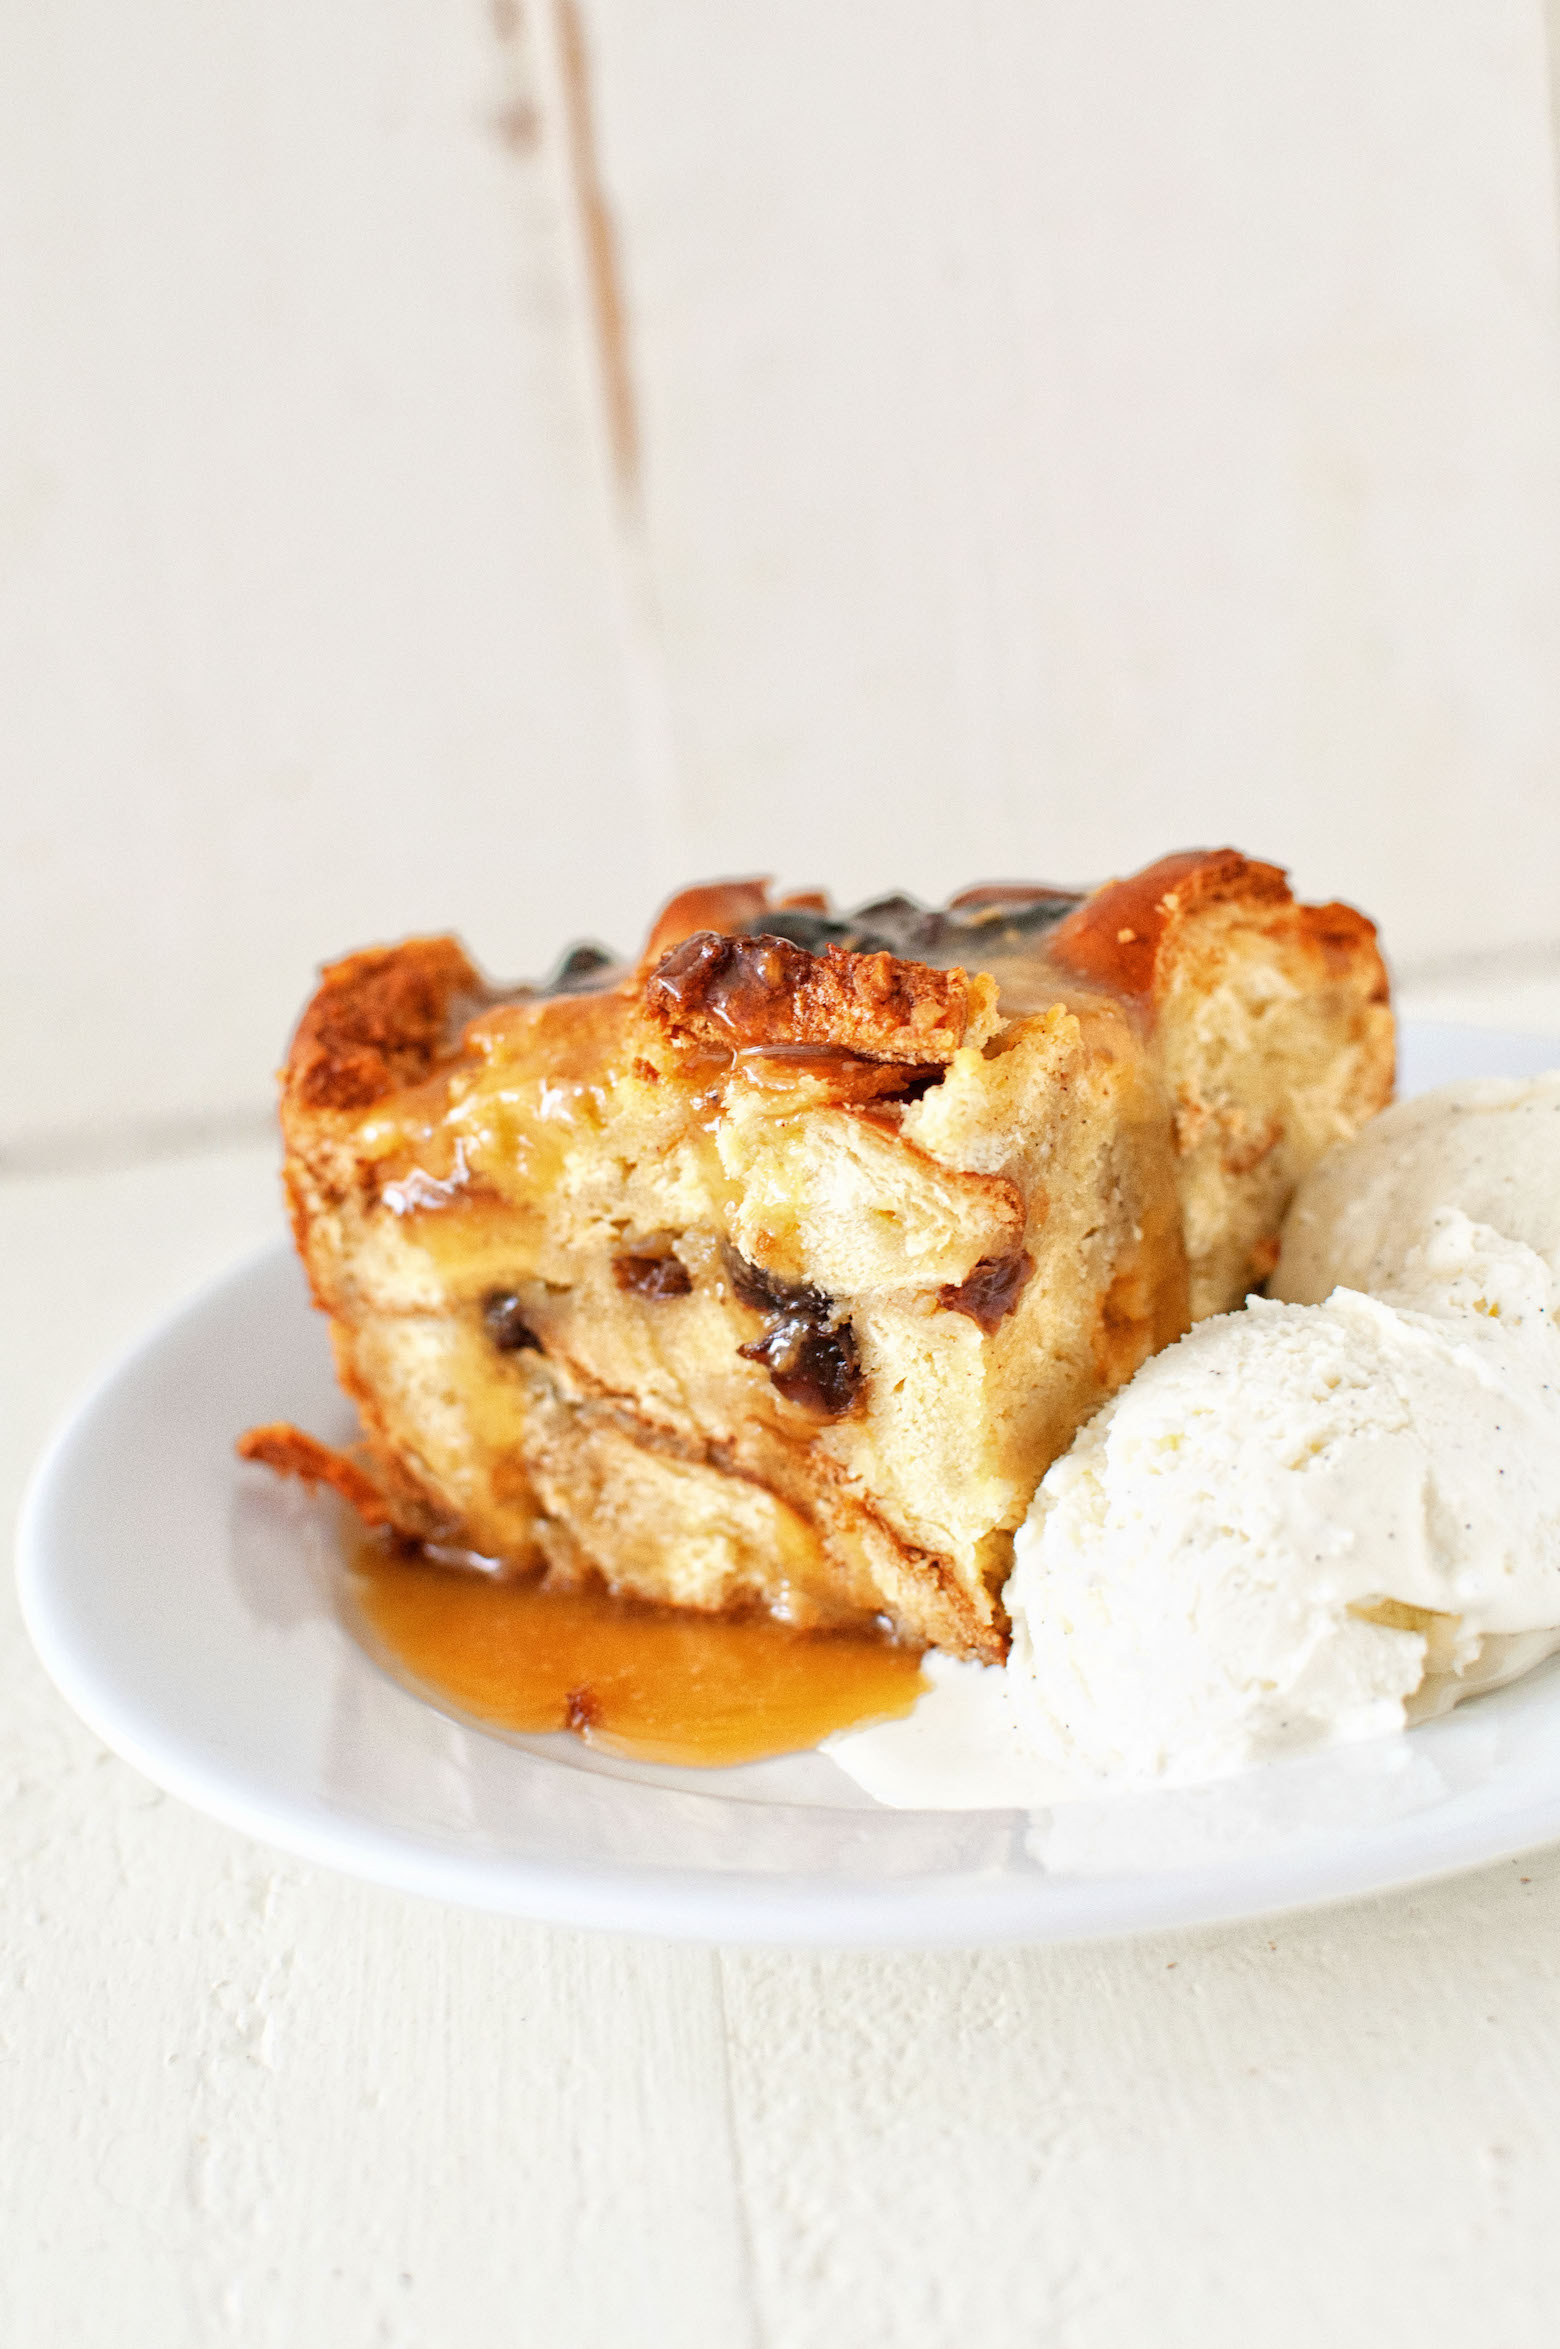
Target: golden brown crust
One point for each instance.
(1116, 935)
(765, 993)
(290, 1452)
(1272, 1028)
(1346, 940)
(380, 1020)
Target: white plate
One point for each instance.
(187, 1607)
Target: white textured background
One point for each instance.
(479, 465)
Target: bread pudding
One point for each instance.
(772, 1271)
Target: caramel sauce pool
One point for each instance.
(656, 1683)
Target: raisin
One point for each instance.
(766, 1292)
(744, 986)
(808, 1348)
(991, 1291)
(506, 1325)
(818, 1368)
(1003, 917)
(579, 971)
(918, 1083)
(651, 1276)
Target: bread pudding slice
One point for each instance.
(775, 1270)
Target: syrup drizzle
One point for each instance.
(658, 1684)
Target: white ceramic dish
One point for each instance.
(187, 1607)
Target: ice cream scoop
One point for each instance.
(1303, 1524)
(1490, 1146)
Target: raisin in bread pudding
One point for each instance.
(774, 1270)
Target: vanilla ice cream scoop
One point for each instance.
(1303, 1524)
(1490, 1146)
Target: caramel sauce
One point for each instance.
(659, 1684)
(570, 1044)
(531, 1075)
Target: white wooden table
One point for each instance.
(480, 463)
